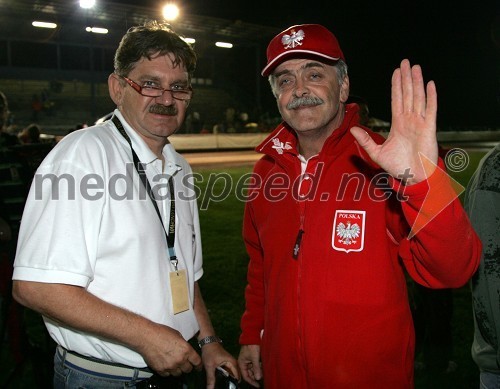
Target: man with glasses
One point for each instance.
(110, 249)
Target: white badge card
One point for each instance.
(180, 295)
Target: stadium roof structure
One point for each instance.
(16, 17)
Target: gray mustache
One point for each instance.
(159, 109)
(304, 102)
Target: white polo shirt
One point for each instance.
(89, 222)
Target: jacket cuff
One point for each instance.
(419, 190)
(247, 338)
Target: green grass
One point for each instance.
(224, 256)
(225, 265)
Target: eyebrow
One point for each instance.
(308, 65)
(148, 77)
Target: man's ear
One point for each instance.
(115, 89)
(344, 90)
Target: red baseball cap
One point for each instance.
(302, 39)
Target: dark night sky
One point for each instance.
(457, 43)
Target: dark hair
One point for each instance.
(3, 101)
(4, 110)
(32, 133)
(151, 39)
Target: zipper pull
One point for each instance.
(296, 248)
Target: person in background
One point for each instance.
(363, 112)
(6, 139)
(30, 134)
(335, 219)
(482, 199)
(116, 274)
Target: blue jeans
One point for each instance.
(66, 377)
(489, 380)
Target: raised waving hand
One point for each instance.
(413, 127)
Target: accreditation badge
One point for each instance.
(348, 230)
(180, 295)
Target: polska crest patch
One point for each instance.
(348, 230)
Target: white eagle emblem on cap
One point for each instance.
(293, 40)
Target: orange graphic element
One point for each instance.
(443, 190)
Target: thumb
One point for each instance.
(365, 141)
(195, 360)
(362, 137)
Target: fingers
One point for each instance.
(195, 360)
(407, 86)
(418, 91)
(402, 89)
(210, 378)
(185, 366)
(250, 371)
(227, 367)
(182, 363)
(233, 369)
(408, 92)
(396, 93)
(431, 106)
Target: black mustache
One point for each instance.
(159, 109)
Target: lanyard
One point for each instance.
(139, 167)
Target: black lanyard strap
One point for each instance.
(140, 168)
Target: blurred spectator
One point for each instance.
(365, 118)
(364, 111)
(481, 202)
(79, 126)
(36, 107)
(194, 123)
(6, 139)
(30, 134)
(227, 125)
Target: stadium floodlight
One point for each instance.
(43, 24)
(170, 11)
(225, 45)
(87, 4)
(97, 30)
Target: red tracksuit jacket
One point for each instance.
(334, 314)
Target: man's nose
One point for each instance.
(166, 98)
(301, 88)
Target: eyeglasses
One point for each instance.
(153, 91)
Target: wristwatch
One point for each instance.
(209, 339)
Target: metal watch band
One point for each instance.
(209, 339)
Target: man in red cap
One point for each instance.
(336, 216)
